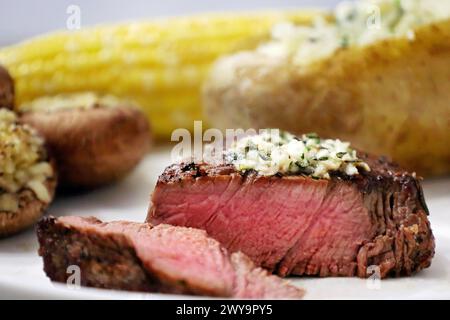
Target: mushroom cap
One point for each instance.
(31, 209)
(93, 146)
(6, 89)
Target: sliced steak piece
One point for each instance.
(139, 257)
(303, 226)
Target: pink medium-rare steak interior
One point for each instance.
(139, 257)
(277, 220)
(253, 283)
(294, 224)
(196, 259)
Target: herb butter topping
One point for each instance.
(353, 23)
(22, 164)
(274, 151)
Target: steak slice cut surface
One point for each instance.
(138, 257)
(294, 224)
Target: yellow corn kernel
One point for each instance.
(160, 64)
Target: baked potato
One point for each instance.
(387, 95)
(6, 89)
(95, 139)
(27, 175)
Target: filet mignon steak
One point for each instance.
(139, 257)
(294, 224)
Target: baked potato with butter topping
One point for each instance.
(387, 93)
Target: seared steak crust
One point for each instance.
(106, 262)
(376, 218)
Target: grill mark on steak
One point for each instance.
(340, 228)
(138, 257)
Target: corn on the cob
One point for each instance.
(159, 64)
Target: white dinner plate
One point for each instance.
(21, 274)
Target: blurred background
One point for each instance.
(20, 19)
(162, 65)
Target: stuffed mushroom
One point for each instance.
(27, 176)
(95, 139)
